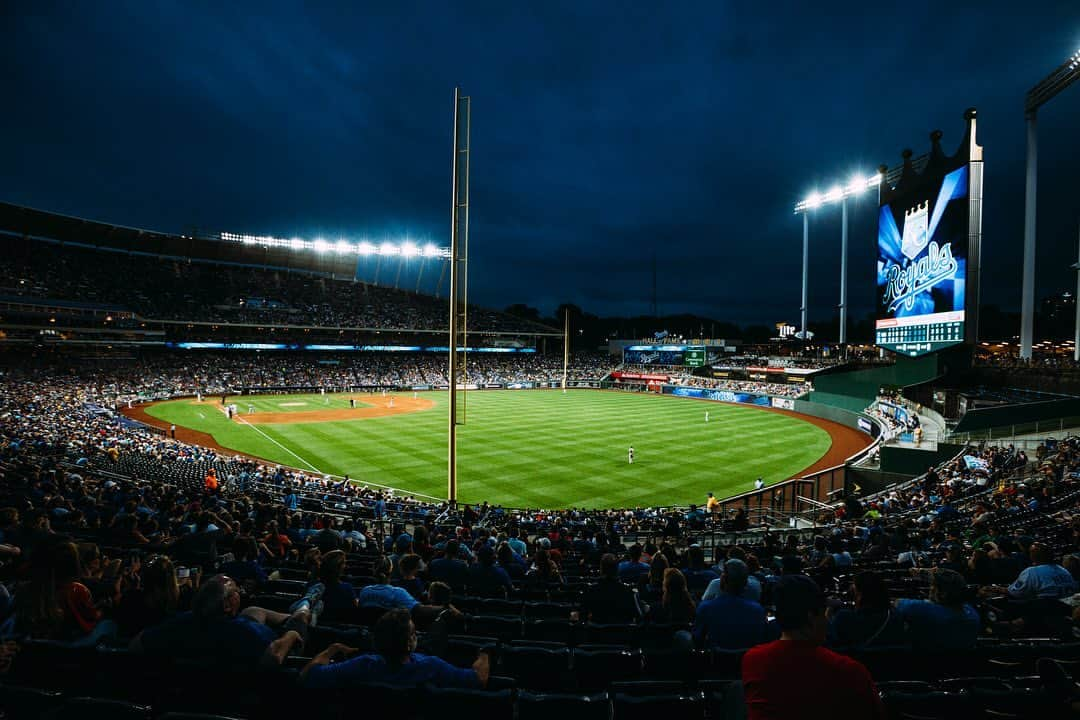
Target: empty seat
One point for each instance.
(535, 668)
(547, 611)
(87, 708)
(597, 668)
(620, 634)
(456, 703)
(648, 707)
(27, 703)
(506, 629)
(560, 706)
(677, 664)
(560, 631)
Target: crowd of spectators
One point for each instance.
(162, 288)
(745, 386)
(105, 537)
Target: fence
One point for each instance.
(1031, 434)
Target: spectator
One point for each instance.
(157, 600)
(631, 570)
(449, 568)
(781, 677)
(698, 576)
(676, 606)
(945, 621)
(338, 596)
(395, 662)
(730, 621)
(382, 594)
(245, 567)
(53, 604)
(410, 567)
(485, 577)
(217, 629)
(608, 601)
(544, 572)
(1044, 579)
(872, 621)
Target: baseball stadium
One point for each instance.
(255, 475)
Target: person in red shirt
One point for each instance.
(796, 677)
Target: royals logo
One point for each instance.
(915, 232)
(904, 284)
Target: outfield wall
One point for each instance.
(839, 415)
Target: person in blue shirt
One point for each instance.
(449, 568)
(1044, 579)
(395, 662)
(486, 577)
(630, 571)
(216, 628)
(384, 595)
(730, 621)
(945, 621)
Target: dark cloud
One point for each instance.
(602, 132)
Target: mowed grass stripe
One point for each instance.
(539, 448)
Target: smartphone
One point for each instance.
(182, 572)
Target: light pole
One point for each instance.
(843, 273)
(1076, 298)
(1065, 75)
(837, 193)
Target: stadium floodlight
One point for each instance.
(1064, 76)
(857, 185)
(405, 249)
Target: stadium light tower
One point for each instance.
(1061, 78)
(857, 185)
(1076, 299)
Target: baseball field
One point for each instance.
(516, 448)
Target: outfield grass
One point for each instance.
(533, 448)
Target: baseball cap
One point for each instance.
(544, 543)
(403, 542)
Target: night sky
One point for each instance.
(601, 133)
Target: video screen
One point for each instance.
(921, 268)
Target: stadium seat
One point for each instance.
(620, 634)
(560, 631)
(88, 708)
(27, 703)
(595, 669)
(689, 705)
(456, 703)
(559, 706)
(535, 668)
(505, 629)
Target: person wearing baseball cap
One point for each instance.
(781, 677)
(730, 621)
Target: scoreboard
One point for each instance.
(687, 355)
(928, 250)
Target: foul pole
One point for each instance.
(566, 347)
(459, 243)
